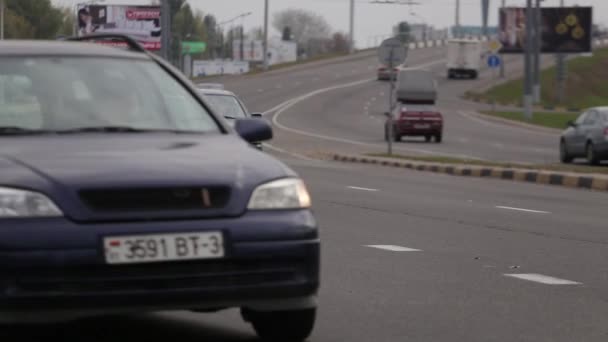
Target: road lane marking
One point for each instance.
(523, 209)
(362, 189)
(394, 248)
(498, 145)
(543, 279)
(260, 90)
(280, 150)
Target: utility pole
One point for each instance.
(457, 20)
(528, 95)
(537, 50)
(165, 20)
(485, 9)
(266, 13)
(561, 72)
(352, 26)
(2, 19)
(502, 65)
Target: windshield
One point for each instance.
(68, 93)
(226, 105)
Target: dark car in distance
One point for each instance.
(122, 191)
(587, 137)
(415, 120)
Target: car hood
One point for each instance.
(64, 166)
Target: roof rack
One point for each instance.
(121, 38)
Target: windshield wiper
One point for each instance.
(116, 129)
(16, 130)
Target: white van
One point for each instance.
(464, 58)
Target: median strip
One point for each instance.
(538, 174)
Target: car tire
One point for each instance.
(438, 138)
(591, 155)
(283, 326)
(427, 138)
(564, 156)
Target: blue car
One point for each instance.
(121, 191)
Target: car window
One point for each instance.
(418, 108)
(591, 118)
(226, 105)
(63, 93)
(581, 119)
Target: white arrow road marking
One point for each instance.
(543, 279)
(362, 189)
(394, 248)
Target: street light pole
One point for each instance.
(266, 12)
(165, 21)
(457, 20)
(537, 50)
(528, 91)
(502, 65)
(2, 19)
(352, 26)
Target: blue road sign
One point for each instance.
(494, 61)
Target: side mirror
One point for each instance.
(572, 124)
(387, 114)
(253, 130)
(256, 115)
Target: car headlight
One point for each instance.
(289, 193)
(23, 203)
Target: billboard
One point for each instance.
(201, 68)
(563, 29)
(139, 22)
(279, 51)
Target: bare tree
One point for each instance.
(305, 26)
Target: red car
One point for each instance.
(416, 120)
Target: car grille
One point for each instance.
(156, 199)
(159, 277)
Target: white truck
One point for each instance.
(464, 58)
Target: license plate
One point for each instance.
(422, 126)
(163, 247)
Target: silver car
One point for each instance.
(587, 137)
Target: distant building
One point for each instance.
(422, 32)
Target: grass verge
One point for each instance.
(586, 86)
(474, 162)
(545, 119)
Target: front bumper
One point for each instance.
(276, 269)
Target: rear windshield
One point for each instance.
(418, 108)
(57, 93)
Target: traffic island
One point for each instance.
(529, 174)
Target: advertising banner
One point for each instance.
(202, 68)
(142, 23)
(563, 29)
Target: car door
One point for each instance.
(574, 138)
(594, 128)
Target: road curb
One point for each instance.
(545, 177)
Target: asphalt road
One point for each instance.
(344, 106)
(459, 238)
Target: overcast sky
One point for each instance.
(372, 20)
